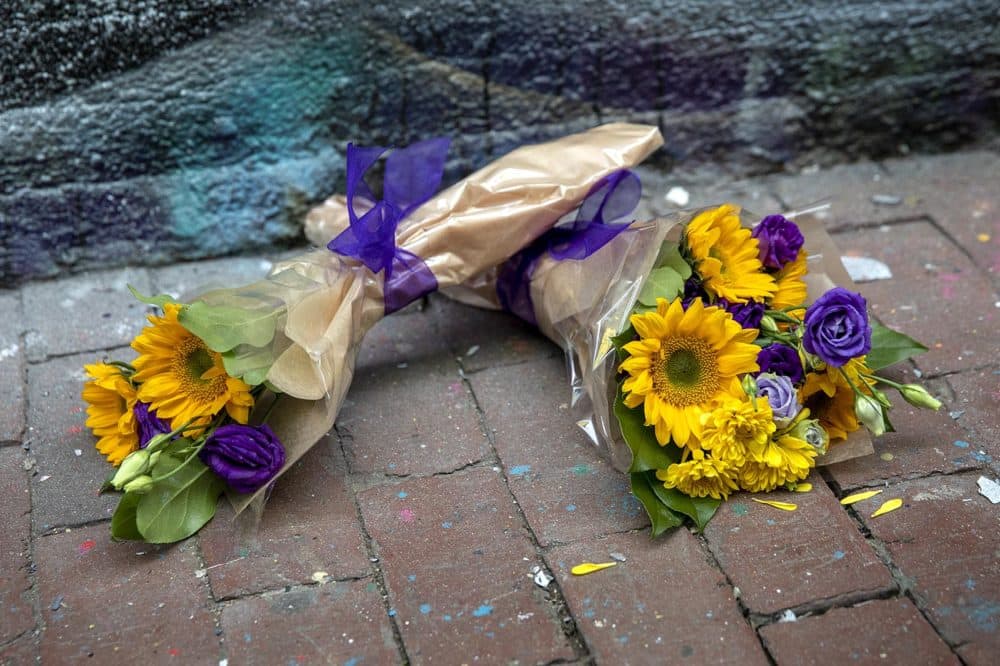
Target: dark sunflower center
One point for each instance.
(198, 363)
(683, 368)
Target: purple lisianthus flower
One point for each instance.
(747, 315)
(781, 396)
(837, 328)
(693, 290)
(149, 423)
(245, 457)
(781, 360)
(779, 240)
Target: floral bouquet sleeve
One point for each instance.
(709, 352)
(229, 390)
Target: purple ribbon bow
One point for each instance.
(611, 198)
(412, 176)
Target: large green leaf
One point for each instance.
(663, 282)
(123, 521)
(889, 346)
(698, 509)
(670, 255)
(251, 364)
(660, 516)
(180, 505)
(159, 300)
(224, 327)
(646, 451)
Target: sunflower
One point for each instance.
(700, 476)
(181, 378)
(683, 364)
(726, 256)
(791, 288)
(734, 426)
(110, 400)
(780, 460)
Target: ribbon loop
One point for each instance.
(412, 176)
(610, 200)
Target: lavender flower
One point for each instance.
(149, 423)
(781, 395)
(779, 240)
(781, 360)
(837, 328)
(245, 457)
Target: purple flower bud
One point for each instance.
(781, 360)
(245, 457)
(781, 395)
(149, 424)
(693, 290)
(837, 328)
(747, 315)
(779, 240)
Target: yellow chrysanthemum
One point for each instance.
(110, 399)
(781, 460)
(700, 476)
(791, 288)
(181, 378)
(684, 363)
(735, 426)
(726, 256)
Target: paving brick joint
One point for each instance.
(438, 521)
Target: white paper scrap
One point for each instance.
(866, 269)
(678, 195)
(541, 576)
(989, 489)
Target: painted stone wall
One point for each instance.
(157, 130)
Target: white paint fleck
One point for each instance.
(989, 489)
(8, 352)
(678, 195)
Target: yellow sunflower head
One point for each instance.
(181, 378)
(110, 401)
(783, 459)
(700, 476)
(791, 288)
(726, 256)
(736, 426)
(683, 364)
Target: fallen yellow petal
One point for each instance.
(983, 238)
(590, 567)
(858, 497)
(784, 506)
(889, 505)
(803, 487)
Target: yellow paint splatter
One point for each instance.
(803, 487)
(887, 506)
(859, 497)
(590, 567)
(887, 457)
(784, 506)
(983, 238)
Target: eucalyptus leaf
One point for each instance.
(647, 453)
(179, 505)
(670, 255)
(698, 509)
(661, 517)
(123, 527)
(889, 346)
(224, 327)
(159, 300)
(251, 364)
(663, 282)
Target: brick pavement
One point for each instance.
(455, 474)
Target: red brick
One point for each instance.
(567, 490)
(22, 651)
(402, 338)
(786, 559)
(936, 294)
(890, 631)
(121, 602)
(16, 609)
(12, 392)
(309, 524)
(944, 540)
(977, 394)
(664, 604)
(335, 623)
(456, 562)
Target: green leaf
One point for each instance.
(660, 516)
(179, 505)
(224, 327)
(698, 509)
(622, 339)
(249, 363)
(889, 346)
(670, 255)
(159, 300)
(647, 453)
(662, 282)
(123, 526)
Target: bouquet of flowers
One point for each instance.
(229, 390)
(707, 356)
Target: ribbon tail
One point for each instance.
(407, 279)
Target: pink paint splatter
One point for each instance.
(75, 430)
(76, 410)
(86, 546)
(407, 515)
(174, 652)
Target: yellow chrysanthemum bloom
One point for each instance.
(735, 426)
(791, 288)
(684, 363)
(110, 400)
(700, 476)
(781, 460)
(726, 256)
(181, 378)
